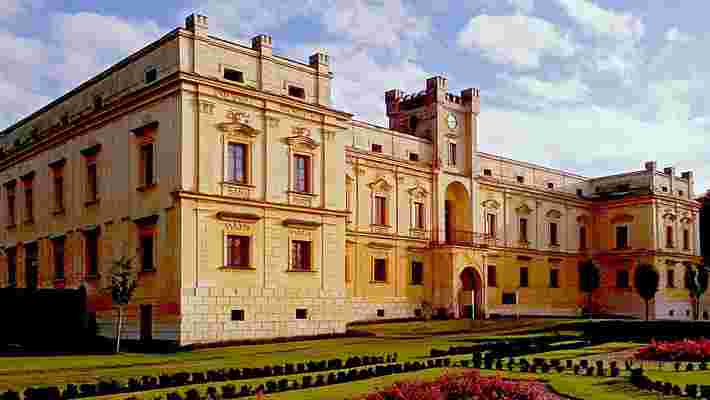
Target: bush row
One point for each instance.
(144, 383)
(542, 365)
(510, 348)
(643, 382)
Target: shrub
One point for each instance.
(464, 363)
(676, 391)
(590, 371)
(72, 392)
(245, 390)
(584, 364)
(87, 390)
(229, 391)
(569, 363)
(576, 369)
(192, 394)
(676, 365)
(211, 393)
(685, 350)
(320, 380)
(173, 396)
(691, 390)
(332, 379)
(283, 385)
(615, 371)
(198, 377)
(705, 391)
(271, 386)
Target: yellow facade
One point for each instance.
(388, 220)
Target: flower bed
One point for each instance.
(686, 350)
(464, 386)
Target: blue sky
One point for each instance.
(591, 86)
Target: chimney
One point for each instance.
(687, 175)
(320, 61)
(197, 24)
(669, 171)
(262, 44)
(650, 166)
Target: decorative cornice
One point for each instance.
(380, 184)
(225, 215)
(149, 220)
(491, 204)
(380, 245)
(556, 214)
(292, 222)
(524, 209)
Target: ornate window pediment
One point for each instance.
(491, 204)
(668, 216)
(380, 185)
(418, 192)
(238, 125)
(302, 139)
(622, 218)
(523, 209)
(556, 214)
(686, 220)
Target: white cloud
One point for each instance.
(603, 22)
(11, 8)
(560, 91)
(523, 6)
(516, 39)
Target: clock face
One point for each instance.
(451, 121)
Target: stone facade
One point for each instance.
(331, 219)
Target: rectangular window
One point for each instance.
(379, 273)
(92, 180)
(147, 164)
(147, 250)
(419, 215)
(237, 162)
(509, 298)
(491, 225)
(452, 154)
(686, 239)
(233, 75)
(151, 74)
(492, 276)
(553, 234)
(92, 253)
(524, 277)
(237, 315)
(669, 236)
(523, 229)
(58, 249)
(301, 255)
(582, 237)
(520, 179)
(238, 251)
(301, 313)
(622, 237)
(296, 91)
(302, 170)
(58, 189)
(413, 157)
(348, 268)
(622, 279)
(376, 148)
(11, 254)
(670, 278)
(11, 217)
(31, 265)
(579, 192)
(487, 172)
(554, 278)
(417, 273)
(380, 210)
(550, 185)
(29, 201)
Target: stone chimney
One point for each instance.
(669, 171)
(197, 24)
(320, 61)
(650, 166)
(262, 44)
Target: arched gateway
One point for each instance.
(470, 296)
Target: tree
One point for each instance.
(646, 282)
(588, 280)
(123, 284)
(696, 280)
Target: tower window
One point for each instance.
(520, 179)
(413, 157)
(233, 75)
(376, 148)
(295, 91)
(487, 172)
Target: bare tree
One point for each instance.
(123, 284)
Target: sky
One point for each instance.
(594, 87)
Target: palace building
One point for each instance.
(254, 209)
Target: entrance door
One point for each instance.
(146, 323)
(31, 265)
(471, 294)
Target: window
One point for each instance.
(58, 250)
(491, 224)
(669, 236)
(233, 75)
(579, 192)
(554, 278)
(301, 313)
(487, 172)
(238, 251)
(348, 268)
(622, 279)
(686, 239)
(664, 188)
(237, 315)
(237, 162)
(492, 276)
(680, 193)
(413, 122)
(58, 173)
(92, 180)
(146, 240)
(413, 156)
(31, 265)
(419, 215)
(550, 185)
(11, 255)
(597, 189)
(151, 74)
(147, 164)
(11, 217)
(452, 154)
(302, 168)
(553, 234)
(29, 200)
(523, 276)
(380, 210)
(300, 255)
(520, 179)
(670, 278)
(376, 148)
(622, 237)
(296, 91)
(92, 253)
(417, 273)
(523, 229)
(380, 312)
(380, 270)
(582, 237)
(98, 102)
(509, 298)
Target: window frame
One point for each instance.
(377, 263)
(670, 237)
(380, 214)
(419, 215)
(583, 237)
(301, 256)
(524, 272)
(58, 187)
(245, 261)
(307, 173)
(150, 74)
(147, 165)
(523, 230)
(376, 148)
(92, 252)
(554, 234)
(59, 258)
(622, 283)
(92, 180)
(554, 278)
(670, 278)
(491, 276)
(296, 91)
(686, 239)
(491, 222)
(11, 203)
(617, 229)
(229, 70)
(487, 172)
(230, 167)
(416, 273)
(452, 154)
(28, 189)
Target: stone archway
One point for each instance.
(470, 294)
(457, 214)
